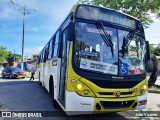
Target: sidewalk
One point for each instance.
(153, 103)
(158, 81)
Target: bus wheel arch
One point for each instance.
(51, 91)
(51, 84)
(39, 77)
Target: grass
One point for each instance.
(28, 75)
(155, 87)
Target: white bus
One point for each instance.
(96, 62)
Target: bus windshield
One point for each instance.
(124, 57)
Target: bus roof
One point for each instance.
(74, 8)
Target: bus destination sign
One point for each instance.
(101, 14)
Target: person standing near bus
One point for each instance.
(32, 73)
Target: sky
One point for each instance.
(41, 25)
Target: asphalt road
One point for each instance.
(23, 95)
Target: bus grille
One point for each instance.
(115, 84)
(112, 93)
(116, 104)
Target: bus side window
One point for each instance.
(45, 55)
(53, 43)
(56, 44)
(39, 60)
(51, 48)
(42, 56)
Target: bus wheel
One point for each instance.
(54, 102)
(40, 84)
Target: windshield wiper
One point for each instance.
(126, 41)
(106, 37)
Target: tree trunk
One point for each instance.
(153, 76)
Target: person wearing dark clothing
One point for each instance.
(32, 73)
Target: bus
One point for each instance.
(96, 62)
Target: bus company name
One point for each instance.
(26, 115)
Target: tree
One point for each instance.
(10, 59)
(17, 57)
(154, 50)
(151, 47)
(141, 9)
(3, 53)
(157, 51)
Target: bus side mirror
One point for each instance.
(147, 50)
(70, 33)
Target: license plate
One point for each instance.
(20, 75)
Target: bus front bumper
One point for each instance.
(76, 104)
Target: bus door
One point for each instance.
(62, 83)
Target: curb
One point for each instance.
(154, 91)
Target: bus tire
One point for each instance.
(154, 74)
(54, 102)
(40, 84)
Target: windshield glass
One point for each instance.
(131, 53)
(91, 50)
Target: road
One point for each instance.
(23, 95)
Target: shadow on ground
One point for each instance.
(19, 95)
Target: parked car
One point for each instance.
(13, 72)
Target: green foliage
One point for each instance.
(141, 9)
(17, 57)
(3, 53)
(13, 58)
(152, 49)
(10, 58)
(155, 50)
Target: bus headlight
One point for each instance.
(79, 86)
(86, 92)
(81, 89)
(143, 89)
(74, 81)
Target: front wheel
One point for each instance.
(54, 102)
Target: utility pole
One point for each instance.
(14, 56)
(24, 11)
